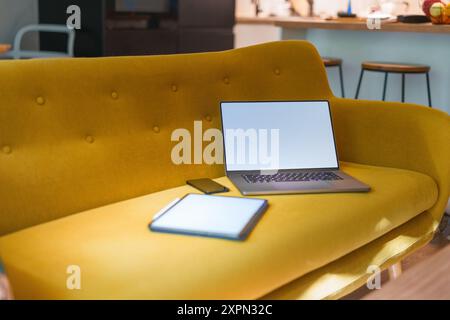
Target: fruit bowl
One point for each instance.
(437, 10)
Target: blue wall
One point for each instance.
(356, 46)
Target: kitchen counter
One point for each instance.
(352, 41)
(357, 24)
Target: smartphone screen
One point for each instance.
(207, 186)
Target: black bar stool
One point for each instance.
(399, 68)
(335, 62)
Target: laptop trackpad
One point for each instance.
(311, 185)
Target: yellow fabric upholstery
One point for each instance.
(77, 134)
(120, 258)
(350, 272)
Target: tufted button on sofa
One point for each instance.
(81, 178)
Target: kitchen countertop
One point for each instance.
(356, 24)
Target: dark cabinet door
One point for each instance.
(140, 42)
(204, 40)
(206, 13)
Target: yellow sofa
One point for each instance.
(85, 163)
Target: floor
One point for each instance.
(441, 240)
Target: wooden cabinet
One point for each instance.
(189, 26)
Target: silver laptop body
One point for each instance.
(283, 147)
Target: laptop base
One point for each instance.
(347, 184)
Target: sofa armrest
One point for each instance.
(396, 135)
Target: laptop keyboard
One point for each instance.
(292, 177)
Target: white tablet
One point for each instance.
(210, 216)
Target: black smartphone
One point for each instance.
(207, 186)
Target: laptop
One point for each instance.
(283, 147)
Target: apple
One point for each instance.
(437, 9)
(437, 12)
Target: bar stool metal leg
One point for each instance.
(359, 83)
(429, 89)
(403, 87)
(385, 85)
(341, 76)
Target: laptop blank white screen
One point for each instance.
(278, 135)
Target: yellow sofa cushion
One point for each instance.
(120, 258)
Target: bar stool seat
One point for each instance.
(330, 62)
(394, 67)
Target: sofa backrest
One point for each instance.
(81, 133)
